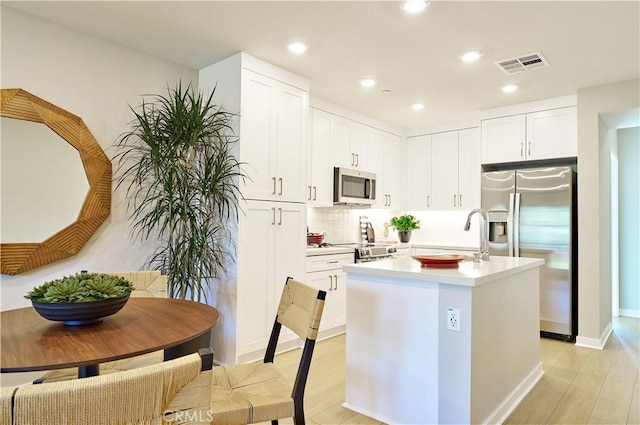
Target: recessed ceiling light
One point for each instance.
(471, 55)
(414, 6)
(367, 82)
(417, 106)
(510, 88)
(297, 47)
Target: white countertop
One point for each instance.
(468, 273)
(329, 250)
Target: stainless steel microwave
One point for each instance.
(353, 187)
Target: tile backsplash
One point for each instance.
(443, 228)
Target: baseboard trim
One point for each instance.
(630, 313)
(597, 344)
(512, 401)
(367, 413)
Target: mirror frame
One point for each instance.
(16, 258)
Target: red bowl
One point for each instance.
(440, 260)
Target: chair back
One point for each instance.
(138, 396)
(300, 308)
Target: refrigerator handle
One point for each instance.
(510, 225)
(516, 226)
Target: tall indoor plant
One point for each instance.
(182, 184)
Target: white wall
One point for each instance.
(594, 218)
(629, 220)
(96, 80)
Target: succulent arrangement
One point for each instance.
(81, 287)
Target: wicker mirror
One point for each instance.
(19, 257)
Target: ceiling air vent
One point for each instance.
(523, 63)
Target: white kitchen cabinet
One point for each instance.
(350, 144)
(419, 173)
(390, 187)
(273, 138)
(319, 166)
(532, 136)
(271, 126)
(271, 247)
(327, 275)
(450, 163)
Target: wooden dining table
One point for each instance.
(28, 342)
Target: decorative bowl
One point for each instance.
(80, 313)
(440, 260)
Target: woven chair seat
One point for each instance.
(250, 393)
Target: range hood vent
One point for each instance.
(522, 63)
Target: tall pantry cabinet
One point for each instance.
(272, 106)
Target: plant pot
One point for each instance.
(82, 313)
(404, 236)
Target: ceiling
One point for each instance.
(415, 57)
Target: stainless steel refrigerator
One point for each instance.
(532, 213)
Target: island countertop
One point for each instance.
(468, 273)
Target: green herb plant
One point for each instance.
(81, 287)
(404, 223)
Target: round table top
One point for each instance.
(28, 342)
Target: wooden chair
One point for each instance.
(160, 393)
(257, 392)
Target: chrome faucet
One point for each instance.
(484, 232)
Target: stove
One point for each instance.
(366, 251)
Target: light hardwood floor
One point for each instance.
(580, 385)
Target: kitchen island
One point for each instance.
(404, 364)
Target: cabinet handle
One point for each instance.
(454, 201)
(357, 160)
(521, 148)
(428, 201)
(315, 193)
(330, 283)
(280, 221)
(273, 222)
(353, 159)
(529, 151)
(460, 199)
(333, 262)
(280, 179)
(274, 185)
(308, 199)
(335, 281)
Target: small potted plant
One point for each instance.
(404, 225)
(82, 298)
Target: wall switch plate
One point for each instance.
(453, 319)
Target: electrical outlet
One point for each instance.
(453, 319)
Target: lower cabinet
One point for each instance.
(271, 247)
(325, 272)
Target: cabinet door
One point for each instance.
(320, 186)
(360, 146)
(341, 151)
(324, 280)
(291, 125)
(552, 134)
(444, 177)
(256, 238)
(290, 251)
(376, 164)
(503, 139)
(258, 135)
(391, 162)
(419, 173)
(469, 170)
(339, 299)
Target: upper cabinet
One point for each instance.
(384, 160)
(419, 173)
(443, 170)
(532, 136)
(350, 144)
(320, 167)
(273, 131)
